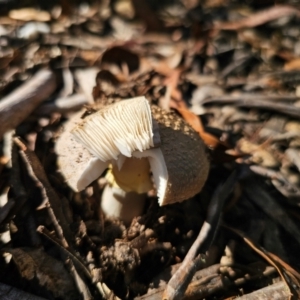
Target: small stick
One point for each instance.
(277, 290)
(260, 17)
(81, 286)
(68, 251)
(260, 102)
(18, 105)
(63, 105)
(209, 284)
(180, 280)
(12, 207)
(36, 170)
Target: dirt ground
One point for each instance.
(229, 71)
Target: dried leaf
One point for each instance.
(210, 140)
(292, 65)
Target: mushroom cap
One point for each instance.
(78, 166)
(184, 154)
(131, 128)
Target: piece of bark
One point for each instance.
(18, 105)
(275, 291)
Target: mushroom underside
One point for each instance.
(138, 178)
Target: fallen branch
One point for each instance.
(18, 105)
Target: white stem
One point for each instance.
(120, 204)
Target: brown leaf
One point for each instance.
(292, 65)
(210, 140)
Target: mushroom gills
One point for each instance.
(113, 130)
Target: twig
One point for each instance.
(211, 283)
(275, 291)
(180, 280)
(260, 102)
(247, 98)
(259, 250)
(63, 105)
(81, 286)
(101, 286)
(162, 279)
(18, 189)
(260, 17)
(68, 251)
(19, 104)
(37, 172)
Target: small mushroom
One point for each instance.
(136, 139)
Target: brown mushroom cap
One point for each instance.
(184, 154)
(179, 165)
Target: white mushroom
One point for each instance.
(136, 139)
(120, 203)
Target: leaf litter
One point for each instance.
(230, 70)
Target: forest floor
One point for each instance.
(230, 70)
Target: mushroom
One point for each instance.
(136, 139)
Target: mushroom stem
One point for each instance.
(117, 203)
